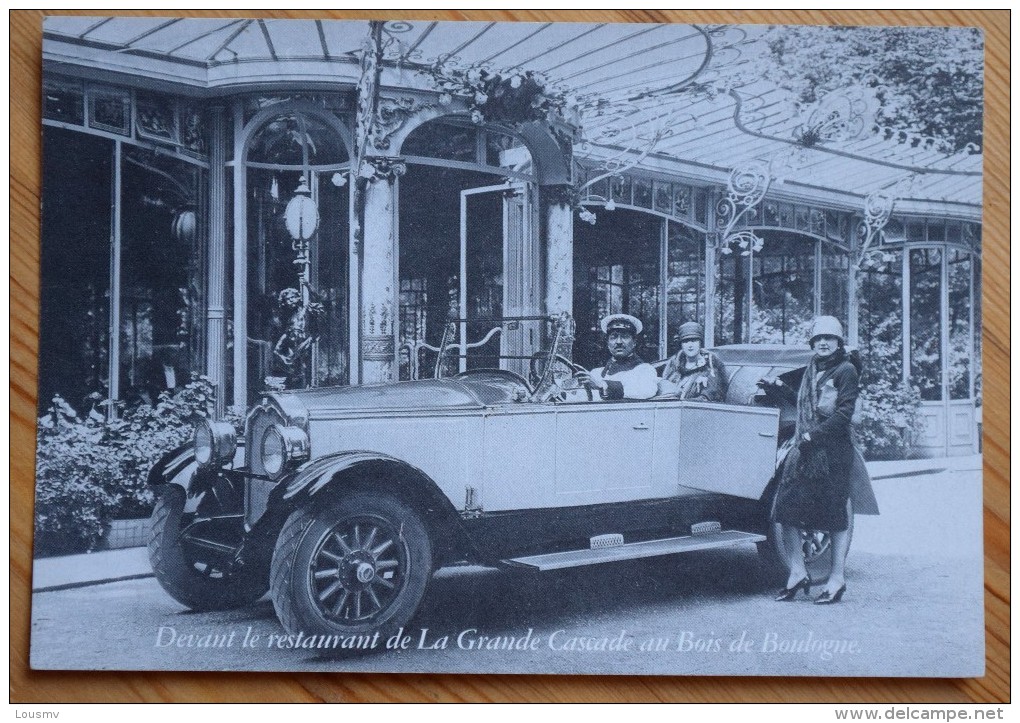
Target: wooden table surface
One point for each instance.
(29, 686)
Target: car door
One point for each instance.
(724, 448)
(604, 452)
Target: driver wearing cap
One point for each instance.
(625, 375)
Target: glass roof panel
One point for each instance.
(72, 25)
(617, 63)
(249, 44)
(170, 39)
(119, 30)
(344, 38)
(294, 40)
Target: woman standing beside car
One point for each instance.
(815, 486)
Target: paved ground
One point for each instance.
(914, 607)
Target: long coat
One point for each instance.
(817, 475)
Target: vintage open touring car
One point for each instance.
(344, 501)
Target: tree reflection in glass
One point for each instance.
(926, 322)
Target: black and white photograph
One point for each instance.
(503, 347)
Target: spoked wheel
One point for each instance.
(358, 569)
(355, 566)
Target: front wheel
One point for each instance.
(188, 559)
(357, 565)
(815, 546)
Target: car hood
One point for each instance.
(423, 394)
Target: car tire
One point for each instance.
(358, 565)
(195, 583)
(816, 547)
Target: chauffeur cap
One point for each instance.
(622, 321)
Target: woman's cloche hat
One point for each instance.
(690, 330)
(826, 326)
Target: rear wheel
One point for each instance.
(184, 559)
(355, 566)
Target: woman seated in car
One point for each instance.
(694, 373)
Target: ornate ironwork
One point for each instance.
(745, 115)
(719, 70)
(382, 168)
(632, 134)
(843, 115)
(746, 187)
(390, 117)
(378, 348)
(878, 209)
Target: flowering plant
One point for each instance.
(90, 469)
(887, 419)
(498, 97)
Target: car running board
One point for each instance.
(635, 550)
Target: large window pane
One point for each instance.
(960, 337)
(443, 140)
(977, 327)
(162, 292)
(74, 294)
(835, 276)
(298, 333)
(731, 299)
(275, 295)
(330, 283)
(485, 279)
(685, 281)
(295, 139)
(616, 270)
(784, 281)
(880, 314)
(926, 322)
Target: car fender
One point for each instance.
(177, 467)
(327, 474)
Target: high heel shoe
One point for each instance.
(788, 594)
(828, 599)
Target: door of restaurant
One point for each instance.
(500, 277)
(941, 346)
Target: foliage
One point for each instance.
(74, 476)
(90, 470)
(886, 419)
(498, 97)
(929, 81)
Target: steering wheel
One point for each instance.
(561, 379)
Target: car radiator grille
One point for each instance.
(257, 425)
(257, 491)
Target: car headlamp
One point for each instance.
(215, 443)
(281, 445)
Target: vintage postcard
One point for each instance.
(508, 347)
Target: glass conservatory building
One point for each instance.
(306, 203)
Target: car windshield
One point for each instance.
(525, 353)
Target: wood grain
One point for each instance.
(29, 686)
